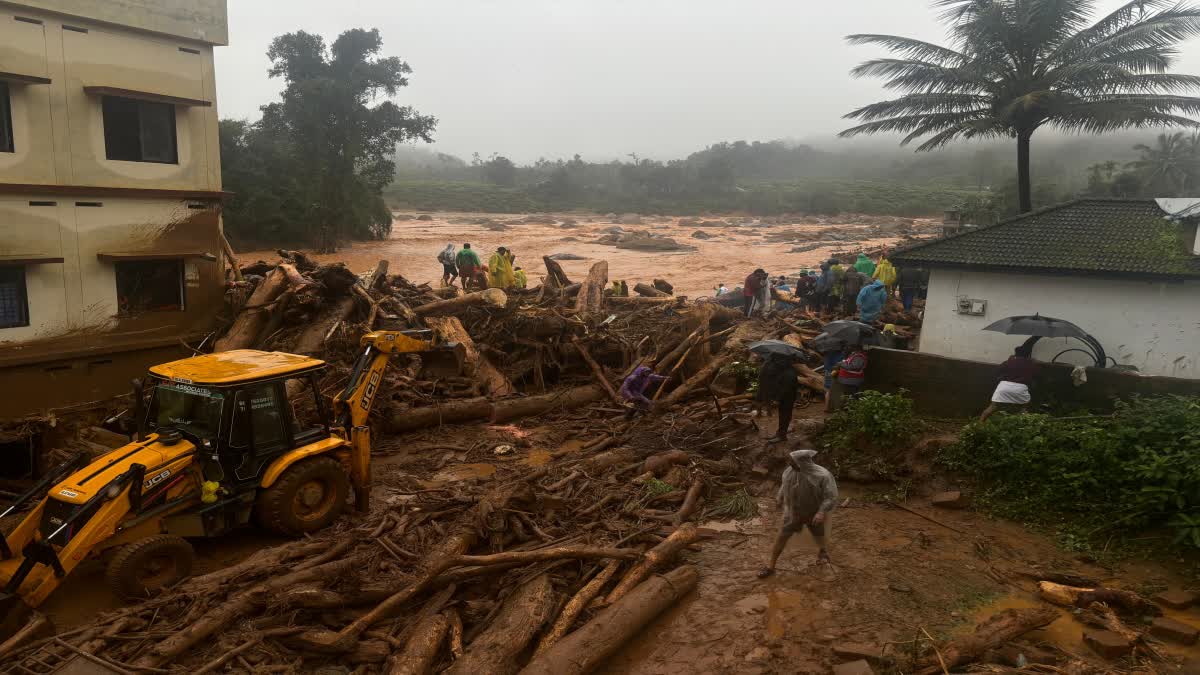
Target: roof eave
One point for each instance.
(900, 261)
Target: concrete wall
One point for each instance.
(58, 128)
(1153, 326)
(946, 387)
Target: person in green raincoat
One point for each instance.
(864, 265)
(500, 270)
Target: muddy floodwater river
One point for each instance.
(727, 257)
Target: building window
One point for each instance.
(6, 134)
(149, 286)
(139, 131)
(14, 302)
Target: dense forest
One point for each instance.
(786, 176)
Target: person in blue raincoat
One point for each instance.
(871, 300)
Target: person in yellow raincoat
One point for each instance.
(500, 270)
(519, 277)
(886, 272)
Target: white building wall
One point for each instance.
(1153, 326)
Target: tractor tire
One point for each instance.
(307, 497)
(146, 567)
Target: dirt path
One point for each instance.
(894, 574)
(734, 252)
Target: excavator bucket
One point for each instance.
(14, 614)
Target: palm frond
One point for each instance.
(910, 49)
(933, 103)
(1113, 22)
(1162, 30)
(916, 125)
(1150, 83)
(922, 76)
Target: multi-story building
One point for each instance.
(110, 193)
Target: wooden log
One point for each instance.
(295, 279)
(569, 399)
(33, 628)
(698, 380)
(636, 301)
(809, 378)
(997, 630)
(591, 295)
(681, 538)
(448, 412)
(456, 633)
(231, 259)
(522, 615)
(250, 321)
(422, 647)
(437, 562)
(491, 297)
(555, 277)
(239, 604)
(275, 320)
(649, 291)
(598, 372)
(544, 554)
(578, 603)
(664, 286)
(691, 502)
(474, 364)
(311, 340)
(587, 647)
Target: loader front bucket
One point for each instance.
(14, 614)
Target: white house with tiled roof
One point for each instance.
(1126, 271)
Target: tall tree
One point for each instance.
(1167, 167)
(1014, 66)
(323, 152)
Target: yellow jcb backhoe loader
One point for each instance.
(217, 444)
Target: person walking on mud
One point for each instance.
(754, 285)
(777, 382)
(468, 266)
(807, 496)
(449, 265)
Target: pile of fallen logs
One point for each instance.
(561, 345)
(547, 570)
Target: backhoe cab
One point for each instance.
(218, 443)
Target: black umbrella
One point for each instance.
(1041, 326)
(850, 332)
(765, 347)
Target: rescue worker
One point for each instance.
(468, 263)
(500, 271)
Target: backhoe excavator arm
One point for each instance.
(352, 406)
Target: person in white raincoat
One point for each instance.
(807, 496)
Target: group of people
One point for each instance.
(464, 265)
(861, 289)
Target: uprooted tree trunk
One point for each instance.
(698, 380)
(578, 603)
(591, 295)
(491, 382)
(255, 314)
(569, 399)
(523, 614)
(442, 412)
(997, 630)
(584, 649)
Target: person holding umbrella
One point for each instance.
(777, 381)
(1016, 374)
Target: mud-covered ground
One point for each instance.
(895, 575)
(732, 253)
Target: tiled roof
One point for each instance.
(1086, 236)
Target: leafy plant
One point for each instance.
(738, 505)
(1093, 477)
(746, 374)
(873, 417)
(655, 487)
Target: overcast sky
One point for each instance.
(662, 78)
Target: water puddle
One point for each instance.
(538, 457)
(461, 472)
(732, 525)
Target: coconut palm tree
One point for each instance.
(1014, 66)
(1168, 166)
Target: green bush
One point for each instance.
(872, 417)
(1098, 476)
